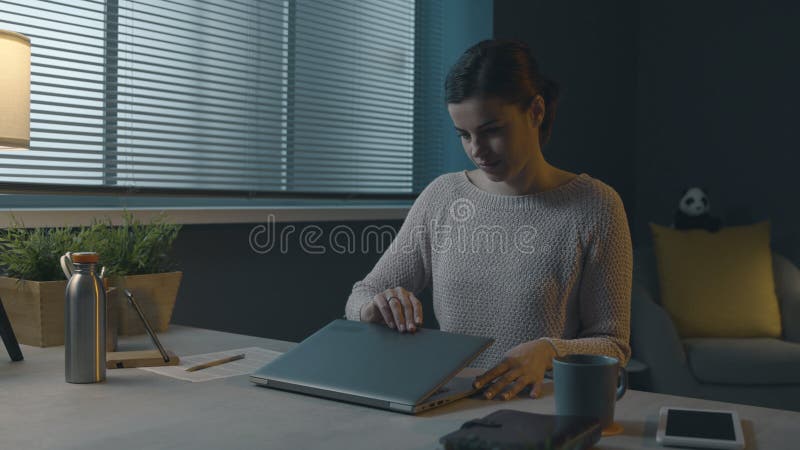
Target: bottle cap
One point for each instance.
(85, 257)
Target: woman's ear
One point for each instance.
(536, 111)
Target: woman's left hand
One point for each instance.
(521, 366)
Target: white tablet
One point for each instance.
(703, 428)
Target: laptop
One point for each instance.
(373, 365)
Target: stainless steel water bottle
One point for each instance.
(85, 322)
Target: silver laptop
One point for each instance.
(373, 365)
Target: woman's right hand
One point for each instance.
(396, 308)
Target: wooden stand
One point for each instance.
(139, 358)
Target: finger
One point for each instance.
(397, 313)
(515, 388)
(385, 310)
(408, 312)
(536, 392)
(502, 383)
(417, 310)
(492, 373)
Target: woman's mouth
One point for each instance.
(486, 165)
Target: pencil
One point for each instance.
(216, 362)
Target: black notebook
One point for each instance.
(509, 429)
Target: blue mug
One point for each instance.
(589, 385)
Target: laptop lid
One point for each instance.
(356, 361)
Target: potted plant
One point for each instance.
(135, 256)
(32, 289)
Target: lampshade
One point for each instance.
(15, 91)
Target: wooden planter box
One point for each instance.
(155, 293)
(35, 310)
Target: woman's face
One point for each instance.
(499, 137)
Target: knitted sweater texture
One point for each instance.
(555, 264)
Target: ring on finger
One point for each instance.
(392, 298)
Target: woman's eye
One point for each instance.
(464, 136)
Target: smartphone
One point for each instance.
(701, 428)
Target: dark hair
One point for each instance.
(505, 69)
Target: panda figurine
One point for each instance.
(693, 212)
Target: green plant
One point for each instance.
(32, 254)
(128, 249)
(133, 247)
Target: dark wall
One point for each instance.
(589, 47)
(278, 294)
(660, 96)
(717, 106)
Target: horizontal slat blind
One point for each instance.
(428, 93)
(314, 96)
(67, 91)
(367, 50)
(233, 135)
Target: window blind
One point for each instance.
(250, 97)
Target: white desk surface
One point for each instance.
(135, 409)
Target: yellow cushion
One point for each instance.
(718, 284)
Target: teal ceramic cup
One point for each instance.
(588, 385)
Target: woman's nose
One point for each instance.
(478, 147)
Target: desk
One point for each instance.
(135, 409)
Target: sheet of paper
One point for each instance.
(254, 358)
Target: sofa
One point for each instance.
(756, 371)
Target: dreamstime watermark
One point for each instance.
(442, 235)
(341, 239)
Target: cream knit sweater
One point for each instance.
(555, 264)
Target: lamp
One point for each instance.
(15, 91)
(15, 128)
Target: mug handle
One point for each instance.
(622, 382)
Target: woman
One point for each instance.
(519, 250)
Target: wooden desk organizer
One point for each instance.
(141, 358)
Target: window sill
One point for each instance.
(58, 217)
